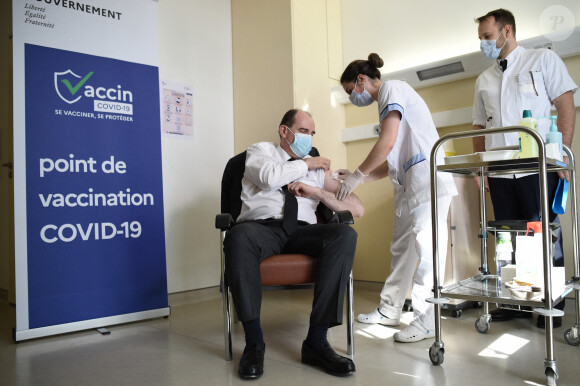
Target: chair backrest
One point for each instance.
(231, 201)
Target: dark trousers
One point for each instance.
(519, 199)
(248, 243)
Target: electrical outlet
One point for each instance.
(377, 129)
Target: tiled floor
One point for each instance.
(187, 349)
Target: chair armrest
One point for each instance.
(345, 217)
(223, 221)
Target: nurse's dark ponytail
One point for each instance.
(366, 67)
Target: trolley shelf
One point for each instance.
(521, 165)
(484, 288)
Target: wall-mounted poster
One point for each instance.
(176, 109)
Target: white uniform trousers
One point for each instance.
(412, 260)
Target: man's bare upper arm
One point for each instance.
(330, 184)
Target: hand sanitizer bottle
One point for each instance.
(528, 145)
(554, 141)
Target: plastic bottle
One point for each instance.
(528, 145)
(503, 251)
(554, 141)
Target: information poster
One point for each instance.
(90, 243)
(176, 109)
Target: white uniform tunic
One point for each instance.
(531, 81)
(409, 160)
(409, 169)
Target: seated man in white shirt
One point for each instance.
(270, 177)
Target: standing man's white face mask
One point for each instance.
(489, 33)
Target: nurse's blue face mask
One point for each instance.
(360, 99)
(489, 49)
(302, 144)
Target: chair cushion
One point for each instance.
(288, 269)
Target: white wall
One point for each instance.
(195, 47)
(410, 33)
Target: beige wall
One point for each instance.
(262, 66)
(573, 65)
(287, 54)
(375, 229)
(317, 55)
(451, 96)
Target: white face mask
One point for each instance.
(489, 49)
(360, 99)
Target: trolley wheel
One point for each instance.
(436, 355)
(456, 313)
(551, 376)
(481, 326)
(477, 304)
(569, 339)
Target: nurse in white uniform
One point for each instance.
(402, 152)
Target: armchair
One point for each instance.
(286, 271)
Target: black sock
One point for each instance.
(316, 335)
(253, 332)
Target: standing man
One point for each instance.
(270, 181)
(521, 79)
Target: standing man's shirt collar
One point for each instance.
(511, 58)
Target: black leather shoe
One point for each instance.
(556, 321)
(502, 314)
(252, 362)
(328, 359)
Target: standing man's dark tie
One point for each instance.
(503, 64)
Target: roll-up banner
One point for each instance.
(89, 231)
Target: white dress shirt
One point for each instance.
(268, 169)
(531, 81)
(409, 160)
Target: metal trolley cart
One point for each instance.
(485, 287)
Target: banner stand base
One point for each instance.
(103, 331)
(20, 335)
